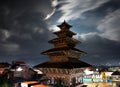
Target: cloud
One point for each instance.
(109, 26)
(53, 28)
(23, 31)
(4, 34)
(73, 9)
(98, 48)
(86, 36)
(50, 14)
(9, 47)
(54, 3)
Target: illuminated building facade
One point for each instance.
(19, 69)
(64, 66)
(116, 76)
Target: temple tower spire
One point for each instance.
(64, 45)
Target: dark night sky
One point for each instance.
(27, 25)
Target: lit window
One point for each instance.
(19, 69)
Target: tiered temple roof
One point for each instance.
(64, 52)
(64, 63)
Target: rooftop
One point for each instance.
(4, 64)
(64, 65)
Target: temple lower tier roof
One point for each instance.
(62, 49)
(64, 65)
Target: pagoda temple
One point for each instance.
(64, 67)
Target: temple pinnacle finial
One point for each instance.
(64, 25)
(64, 21)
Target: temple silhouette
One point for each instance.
(64, 67)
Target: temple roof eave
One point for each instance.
(70, 32)
(57, 39)
(64, 65)
(61, 49)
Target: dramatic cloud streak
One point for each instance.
(110, 26)
(73, 9)
(54, 3)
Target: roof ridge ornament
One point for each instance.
(64, 25)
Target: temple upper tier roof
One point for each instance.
(64, 25)
(67, 32)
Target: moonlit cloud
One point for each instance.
(86, 36)
(10, 47)
(4, 34)
(110, 26)
(50, 14)
(53, 28)
(54, 3)
(37, 29)
(73, 9)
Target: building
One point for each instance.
(19, 69)
(116, 76)
(3, 67)
(64, 66)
